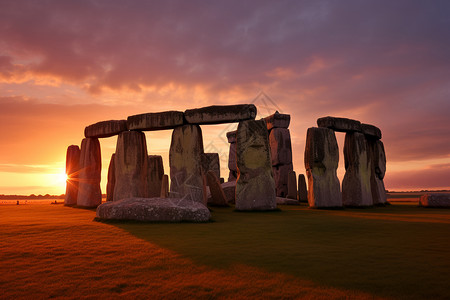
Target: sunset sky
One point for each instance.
(67, 64)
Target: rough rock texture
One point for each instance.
(155, 121)
(131, 164)
(377, 171)
(371, 131)
(218, 197)
(255, 187)
(280, 146)
(232, 158)
(232, 176)
(89, 193)
(287, 201)
(185, 159)
(154, 210)
(339, 124)
(277, 120)
(105, 129)
(217, 114)
(280, 175)
(292, 185)
(302, 191)
(356, 189)
(211, 162)
(155, 174)
(231, 136)
(165, 186)
(229, 189)
(435, 200)
(72, 169)
(321, 162)
(111, 178)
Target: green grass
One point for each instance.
(401, 251)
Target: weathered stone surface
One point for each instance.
(72, 169)
(131, 165)
(277, 120)
(231, 136)
(89, 193)
(302, 191)
(165, 186)
(378, 170)
(321, 162)
(111, 179)
(371, 131)
(154, 210)
(232, 158)
(105, 129)
(435, 200)
(155, 174)
(339, 124)
(155, 121)
(280, 146)
(255, 187)
(217, 114)
(280, 175)
(229, 189)
(232, 176)
(292, 185)
(185, 159)
(211, 162)
(356, 189)
(287, 201)
(217, 194)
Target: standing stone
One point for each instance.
(211, 162)
(217, 194)
(229, 189)
(111, 179)
(280, 146)
(72, 171)
(89, 192)
(280, 175)
(231, 136)
(185, 159)
(232, 176)
(232, 158)
(302, 191)
(255, 187)
(378, 170)
(165, 186)
(321, 162)
(292, 185)
(356, 189)
(155, 174)
(131, 166)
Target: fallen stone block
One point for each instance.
(72, 172)
(155, 121)
(287, 201)
(105, 129)
(218, 114)
(277, 120)
(217, 194)
(339, 124)
(154, 210)
(435, 200)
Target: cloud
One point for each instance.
(431, 177)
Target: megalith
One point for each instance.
(218, 197)
(131, 166)
(219, 114)
(111, 179)
(72, 172)
(292, 185)
(165, 186)
(232, 167)
(155, 175)
(211, 162)
(356, 189)
(302, 191)
(89, 193)
(185, 159)
(105, 129)
(321, 162)
(255, 186)
(378, 170)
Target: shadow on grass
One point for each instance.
(332, 248)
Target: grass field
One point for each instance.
(399, 251)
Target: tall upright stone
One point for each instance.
(89, 192)
(211, 162)
(111, 179)
(165, 186)
(232, 167)
(302, 191)
(131, 166)
(72, 172)
(155, 174)
(378, 170)
(356, 189)
(321, 162)
(185, 159)
(292, 185)
(255, 187)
